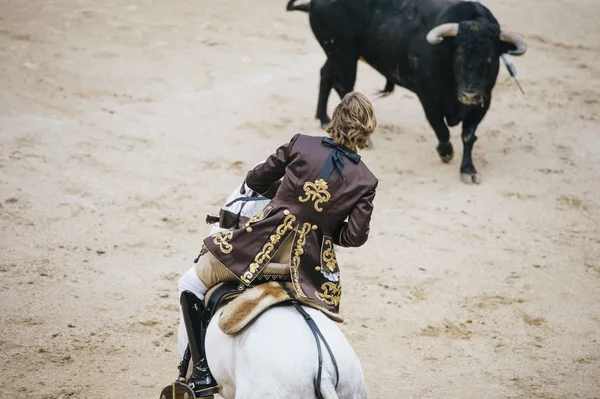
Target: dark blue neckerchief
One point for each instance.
(336, 159)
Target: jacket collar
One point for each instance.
(336, 158)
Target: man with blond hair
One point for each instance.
(324, 183)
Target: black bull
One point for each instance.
(445, 51)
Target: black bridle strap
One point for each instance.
(247, 199)
(317, 333)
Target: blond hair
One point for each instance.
(353, 121)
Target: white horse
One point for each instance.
(276, 357)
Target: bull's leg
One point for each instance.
(388, 89)
(468, 173)
(345, 75)
(337, 73)
(473, 118)
(327, 78)
(436, 120)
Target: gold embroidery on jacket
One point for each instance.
(261, 214)
(286, 225)
(246, 277)
(221, 239)
(328, 255)
(316, 192)
(264, 256)
(331, 293)
(298, 252)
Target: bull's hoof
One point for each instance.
(382, 93)
(325, 121)
(470, 178)
(447, 158)
(445, 151)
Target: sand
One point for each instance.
(123, 123)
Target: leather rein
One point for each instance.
(317, 334)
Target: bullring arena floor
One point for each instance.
(123, 123)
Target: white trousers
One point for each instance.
(188, 282)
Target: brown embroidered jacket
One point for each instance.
(310, 207)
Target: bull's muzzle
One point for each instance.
(470, 98)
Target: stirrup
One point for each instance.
(205, 392)
(181, 390)
(177, 390)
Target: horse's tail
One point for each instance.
(328, 390)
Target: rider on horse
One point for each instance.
(324, 183)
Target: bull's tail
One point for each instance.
(300, 7)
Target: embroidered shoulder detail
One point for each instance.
(264, 256)
(317, 192)
(222, 240)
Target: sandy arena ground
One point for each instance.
(123, 123)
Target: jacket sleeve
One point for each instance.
(264, 177)
(355, 232)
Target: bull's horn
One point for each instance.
(516, 40)
(437, 34)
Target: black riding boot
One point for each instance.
(201, 381)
